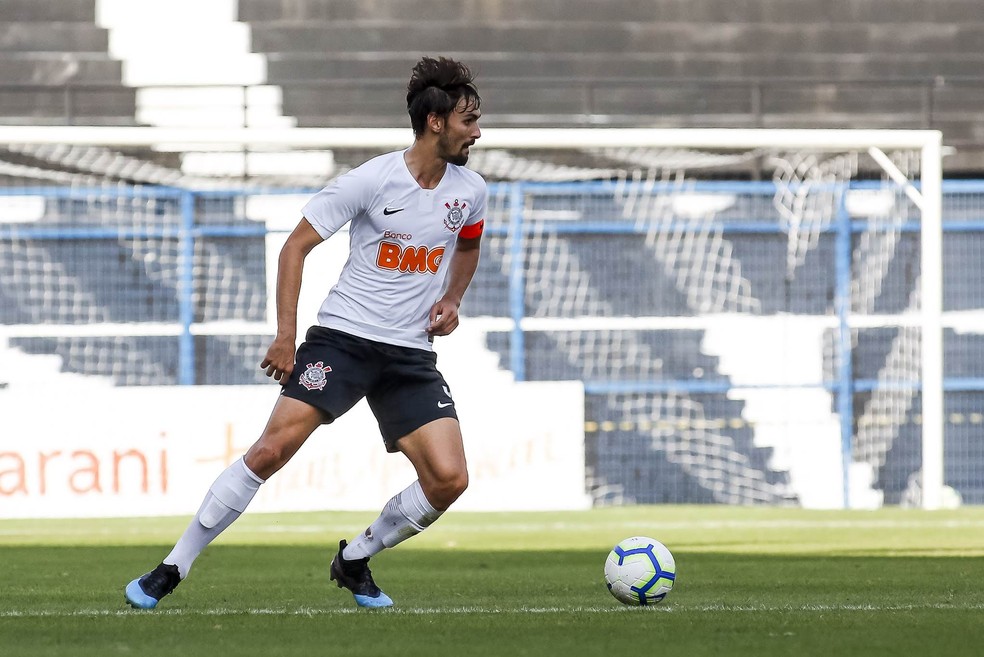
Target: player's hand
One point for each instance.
(443, 318)
(279, 360)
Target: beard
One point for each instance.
(459, 158)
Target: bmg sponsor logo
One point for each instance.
(411, 259)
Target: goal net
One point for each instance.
(757, 315)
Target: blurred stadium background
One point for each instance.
(738, 324)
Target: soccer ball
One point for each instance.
(640, 571)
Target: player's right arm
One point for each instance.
(279, 360)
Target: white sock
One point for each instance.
(407, 514)
(225, 501)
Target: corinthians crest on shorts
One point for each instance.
(456, 215)
(314, 377)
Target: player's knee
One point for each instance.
(458, 484)
(447, 488)
(265, 458)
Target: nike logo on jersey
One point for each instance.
(443, 404)
(388, 210)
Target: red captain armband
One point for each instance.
(473, 231)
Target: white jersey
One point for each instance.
(401, 241)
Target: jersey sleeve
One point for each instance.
(339, 202)
(475, 224)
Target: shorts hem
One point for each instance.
(407, 428)
(328, 416)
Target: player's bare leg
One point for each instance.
(438, 455)
(289, 426)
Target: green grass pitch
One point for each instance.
(750, 581)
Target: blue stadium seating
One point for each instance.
(114, 278)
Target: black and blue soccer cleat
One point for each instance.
(357, 578)
(146, 591)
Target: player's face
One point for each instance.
(460, 133)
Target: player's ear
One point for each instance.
(435, 122)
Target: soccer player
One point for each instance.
(416, 224)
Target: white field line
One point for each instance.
(928, 523)
(492, 525)
(426, 611)
(784, 525)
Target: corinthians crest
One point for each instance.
(314, 377)
(456, 216)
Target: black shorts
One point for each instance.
(334, 370)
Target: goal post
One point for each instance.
(561, 196)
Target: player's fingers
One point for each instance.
(435, 313)
(445, 326)
(439, 328)
(435, 326)
(449, 319)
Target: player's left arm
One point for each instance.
(464, 262)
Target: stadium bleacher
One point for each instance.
(769, 63)
(55, 67)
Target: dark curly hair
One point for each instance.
(438, 85)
